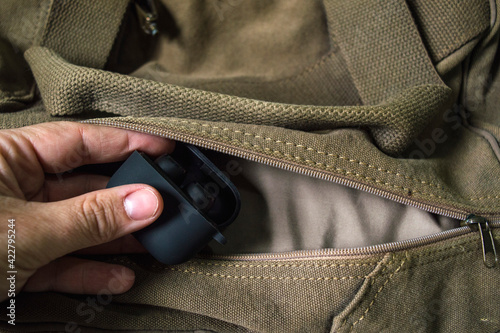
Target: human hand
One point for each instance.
(54, 218)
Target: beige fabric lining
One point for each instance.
(285, 211)
(390, 66)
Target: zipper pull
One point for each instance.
(479, 223)
(148, 15)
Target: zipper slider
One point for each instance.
(148, 15)
(488, 242)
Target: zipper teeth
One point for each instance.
(290, 166)
(367, 250)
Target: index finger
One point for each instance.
(62, 146)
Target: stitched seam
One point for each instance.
(424, 182)
(283, 265)
(327, 278)
(259, 277)
(453, 51)
(334, 265)
(485, 197)
(45, 8)
(400, 269)
(376, 295)
(306, 148)
(427, 253)
(344, 171)
(410, 266)
(467, 242)
(126, 260)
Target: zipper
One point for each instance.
(471, 223)
(454, 213)
(147, 14)
(478, 223)
(359, 251)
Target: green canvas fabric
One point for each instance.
(444, 34)
(21, 26)
(16, 89)
(450, 183)
(427, 181)
(115, 93)
(22, 23)
(303, 88)
(82, 31)
(442, 287)
(481, 89)
(398, 74)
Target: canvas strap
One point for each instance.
(83, 31)
(448, 25)
(192, 295)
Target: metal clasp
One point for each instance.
(488, 242)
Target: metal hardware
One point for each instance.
(478, 223)
(148, 15)
(289, 166)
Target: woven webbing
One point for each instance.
(22, 21)
(83, 31)
(381, 45)
(68, 89)
(380, 42)
(447, 25)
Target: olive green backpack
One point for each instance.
(366, 133)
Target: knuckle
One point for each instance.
(98, 219)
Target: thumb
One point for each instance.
(94, 218)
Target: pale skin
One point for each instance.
(56, 217)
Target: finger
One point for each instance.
(80, 276)
(91, 219)
(56, 189)
(125, 244)
(62, 146)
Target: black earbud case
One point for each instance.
(199, 201)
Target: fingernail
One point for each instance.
(141, 205)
